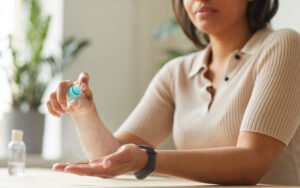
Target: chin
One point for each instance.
(208, 28)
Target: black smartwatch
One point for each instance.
(150, 166)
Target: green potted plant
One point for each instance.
(27, 82)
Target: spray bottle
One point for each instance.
(73, 93)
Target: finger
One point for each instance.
(96, 160)
(55, 106)
(61, 166)
(62, 93)
(105, 176)
(85, 169)
(77, 163)
(83, 82)
(50, 109)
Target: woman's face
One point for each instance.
(216, 16)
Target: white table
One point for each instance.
(46, 178)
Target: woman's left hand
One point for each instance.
(128, 158)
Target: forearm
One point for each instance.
(226, 165)
(96, 140)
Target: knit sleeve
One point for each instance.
(152, 118)
(274, 105)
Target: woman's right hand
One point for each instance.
(57, 103)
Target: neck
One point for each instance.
(224, 43)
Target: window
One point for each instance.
(6, 23)
(10, 15)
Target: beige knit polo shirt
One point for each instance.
(262, 94)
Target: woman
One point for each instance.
(233, 107)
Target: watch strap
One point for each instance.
(150, 166)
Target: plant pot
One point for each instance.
(32, 124)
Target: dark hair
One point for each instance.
(259, 13)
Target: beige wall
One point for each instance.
(288, 15)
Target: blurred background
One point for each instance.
(120, 43)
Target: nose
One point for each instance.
(200, 2)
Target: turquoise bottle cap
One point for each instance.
(74, 92)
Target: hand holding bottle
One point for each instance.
(57, 104)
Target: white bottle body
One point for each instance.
(16, 158)
(70, 101)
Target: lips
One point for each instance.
(205, 9)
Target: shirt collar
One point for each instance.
(251, 46)
(201, 60)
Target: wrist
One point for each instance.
(91, 118)
(141, 160)
(92, 110)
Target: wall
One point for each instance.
(288, 15)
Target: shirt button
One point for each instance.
(226, 78)
(237, 56)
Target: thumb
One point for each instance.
(83, 82)
(113, 159)
(107, 163)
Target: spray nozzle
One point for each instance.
(74, 92)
